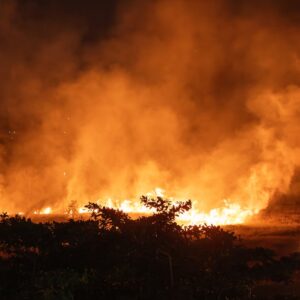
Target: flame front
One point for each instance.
(230, 213)
(44, 211)
(198, 97)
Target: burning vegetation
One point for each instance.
(107, 100)
(102, 101)
(228, 214)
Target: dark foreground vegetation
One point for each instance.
(111, 256)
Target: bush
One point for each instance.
(112, 256)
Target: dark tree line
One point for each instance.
(112, 256)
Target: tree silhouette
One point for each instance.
(112, 256)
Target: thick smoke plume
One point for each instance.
(114, 98)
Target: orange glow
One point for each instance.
(230, 213)
(192, 96)
(44, 211)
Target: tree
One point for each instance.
(112, 256)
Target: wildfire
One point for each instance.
(44, 211)
(230, 213)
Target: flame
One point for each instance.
(230, 213)
(83, 210)
(44, 211)
(207, 114)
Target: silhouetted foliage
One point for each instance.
(112, 256)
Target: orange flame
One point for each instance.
(230, 213)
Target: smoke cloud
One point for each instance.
(111, 99)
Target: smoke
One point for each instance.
(113, 99)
